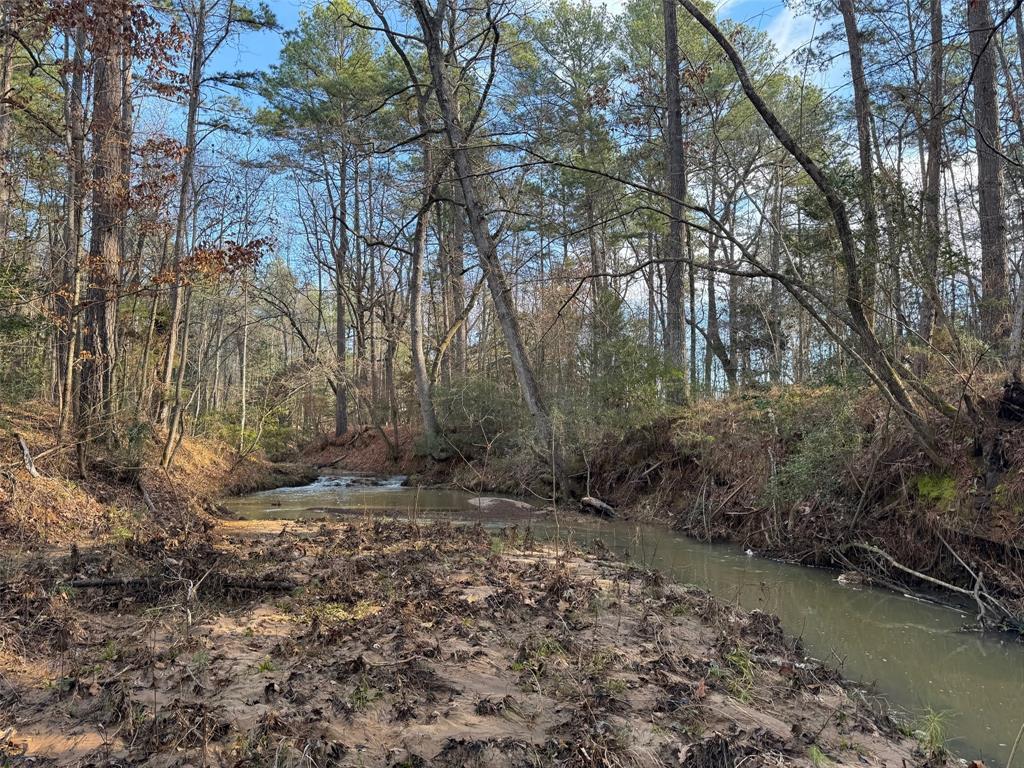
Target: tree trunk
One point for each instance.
(340, 320)
(108, 203)
(73, 203)
(994, 308)
(1017, 331)
(674, 331)
(419, 250)
(775, 328)
(174, 427)
(931, 302)
(456, 255)
(862, 108)
(7, 177)
(243, 365)
(187, 170)
(715, 346)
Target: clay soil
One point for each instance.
(370, 643)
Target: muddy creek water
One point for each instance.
(912, 651)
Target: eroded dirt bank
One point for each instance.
(393, 644)
(125, 492)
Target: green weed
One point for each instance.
(930, 732)
(741, 678)
(817, 757)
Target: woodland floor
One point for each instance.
(374, 643)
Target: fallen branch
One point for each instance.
(149, 582)
(30, 463)
(916, 574)
(980, 597)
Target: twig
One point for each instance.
(652, 468)
(1016, 743)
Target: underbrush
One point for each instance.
(833, 476)
(125, 491)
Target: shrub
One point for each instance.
(814, 467)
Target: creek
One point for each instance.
(910, 651)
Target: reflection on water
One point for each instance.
(911, 649)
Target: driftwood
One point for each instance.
(594, 506)
(991, 611)
(30, 463)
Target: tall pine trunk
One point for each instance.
(675, 345)
(108, 208)
(994, 310)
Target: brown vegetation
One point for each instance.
(814, 474)
(125, 493)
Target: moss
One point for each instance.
(936, 489)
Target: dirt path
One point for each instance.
(391, 644)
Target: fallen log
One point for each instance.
(593, 506)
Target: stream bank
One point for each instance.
(913, 653)
(384, 643)
(827, 476)
(125, 493)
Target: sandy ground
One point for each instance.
(394, 644)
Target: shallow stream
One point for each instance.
(912, 651)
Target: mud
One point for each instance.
(375, 643)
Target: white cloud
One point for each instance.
(790, 31)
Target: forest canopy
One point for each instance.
(543, 221)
